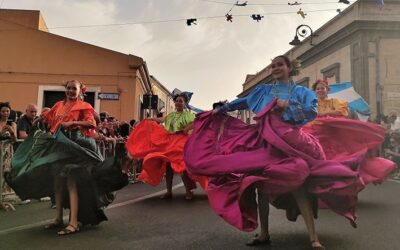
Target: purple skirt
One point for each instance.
(271, 155)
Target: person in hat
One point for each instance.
(162, 150)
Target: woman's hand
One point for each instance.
(187, 129)
(282, 103)
(11, 130)
(67, 124)
(7, 128)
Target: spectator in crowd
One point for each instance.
(394, 122)
(392, 152)
(25, 126)
(132, 123)
(8, 128)
(103, 116)
(124, 130)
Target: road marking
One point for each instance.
(143, 197)
(397, 181)
(121, 204)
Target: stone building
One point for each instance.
(360, 45)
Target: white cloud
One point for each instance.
(211, 58)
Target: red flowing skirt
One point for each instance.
(156, 146)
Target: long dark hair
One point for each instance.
(291, 64)
(5, 104)
(183, 95)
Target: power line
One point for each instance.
(182, 19)
(165, 21)
(270, 4)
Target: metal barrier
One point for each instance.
(7, 195)
(117, 149)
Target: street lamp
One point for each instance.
(303, 31)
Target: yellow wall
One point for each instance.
(32, 58)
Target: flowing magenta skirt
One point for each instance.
(328, 158)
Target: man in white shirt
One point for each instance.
(394, 122)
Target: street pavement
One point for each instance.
(138, 219)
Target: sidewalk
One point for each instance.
(37, 212)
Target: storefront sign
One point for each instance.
(108, 96)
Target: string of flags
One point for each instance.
(259, 17)
(301, 13)
(229, 17)
(241, 4)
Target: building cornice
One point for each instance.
(161, 86)
(339, 39)
(332, 43)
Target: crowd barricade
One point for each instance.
(7, 195)
(117, 149)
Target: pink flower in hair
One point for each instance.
(83, 88)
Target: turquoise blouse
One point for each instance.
(302, 101)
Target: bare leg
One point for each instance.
(58, 189)
(169, 176)
(73, 201)
(263, 211)
(189, 185)
(306, 211)
(73, 206)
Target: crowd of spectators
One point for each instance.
(110, 133)
(391, 146)
(113, 133)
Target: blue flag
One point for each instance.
(345, 92)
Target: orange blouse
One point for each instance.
(333, 104)
(64, 111)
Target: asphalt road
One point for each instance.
(138, 219)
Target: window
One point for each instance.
(304, 82)
(332, 73)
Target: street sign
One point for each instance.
(108, 96)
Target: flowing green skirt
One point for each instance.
(42, 158)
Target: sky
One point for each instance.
(210, 59)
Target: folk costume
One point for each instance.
(276, 155)
(160, 145)
(333, 104)
(72, 153)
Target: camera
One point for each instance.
(9, 122)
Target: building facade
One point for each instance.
(360, 45)
(165, 101)
(34, 65)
